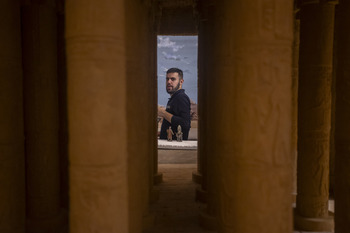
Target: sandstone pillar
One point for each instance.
(333, 90)
(295, 77)
(97, 116)
(314, 115)
(155, 176)
(39, 27)
(249, 160)
(12, 179)
(152, 110)
(342, 122)
(203, 101)
(197, 174)
(62, 105)
(139, 110)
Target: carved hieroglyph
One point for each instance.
(250, 176)
(12, 179)
(314, 109)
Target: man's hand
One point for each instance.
(163, 113)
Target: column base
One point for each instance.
(201, 195)
(148, 221)
(197, 177)
(207, 221)
(314, 224)
(57, 224)
(158, 178)
(154, 196)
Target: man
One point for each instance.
(178, 108)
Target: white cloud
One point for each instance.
(171, 57)
(164, 68)
(165, 42)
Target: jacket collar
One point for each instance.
(176, 93)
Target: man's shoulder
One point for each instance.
(182, 94)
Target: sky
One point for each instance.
(180, 52)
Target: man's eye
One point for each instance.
(172, 79)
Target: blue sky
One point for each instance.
(180, 52)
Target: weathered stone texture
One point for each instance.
(97, 94)
(250, 159)
(314, 109)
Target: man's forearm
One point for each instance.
(167, 116)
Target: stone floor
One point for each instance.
(176, 211)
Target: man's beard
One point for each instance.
(172, 91)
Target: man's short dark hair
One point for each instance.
(176, 70)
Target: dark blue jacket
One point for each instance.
(180, 106)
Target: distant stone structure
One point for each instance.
(194, 111)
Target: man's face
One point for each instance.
(173, 83)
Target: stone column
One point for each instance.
(139, 112)
(197, 174)
(314, 115)
(62, 105)
(39, 27)
(342, 122)
(295, 76)
(12, 178)
(333, 90)
(157, 176)
(250, 175)
(97, 116)
(203, 102)
(151, 110)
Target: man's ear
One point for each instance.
(181, 81)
